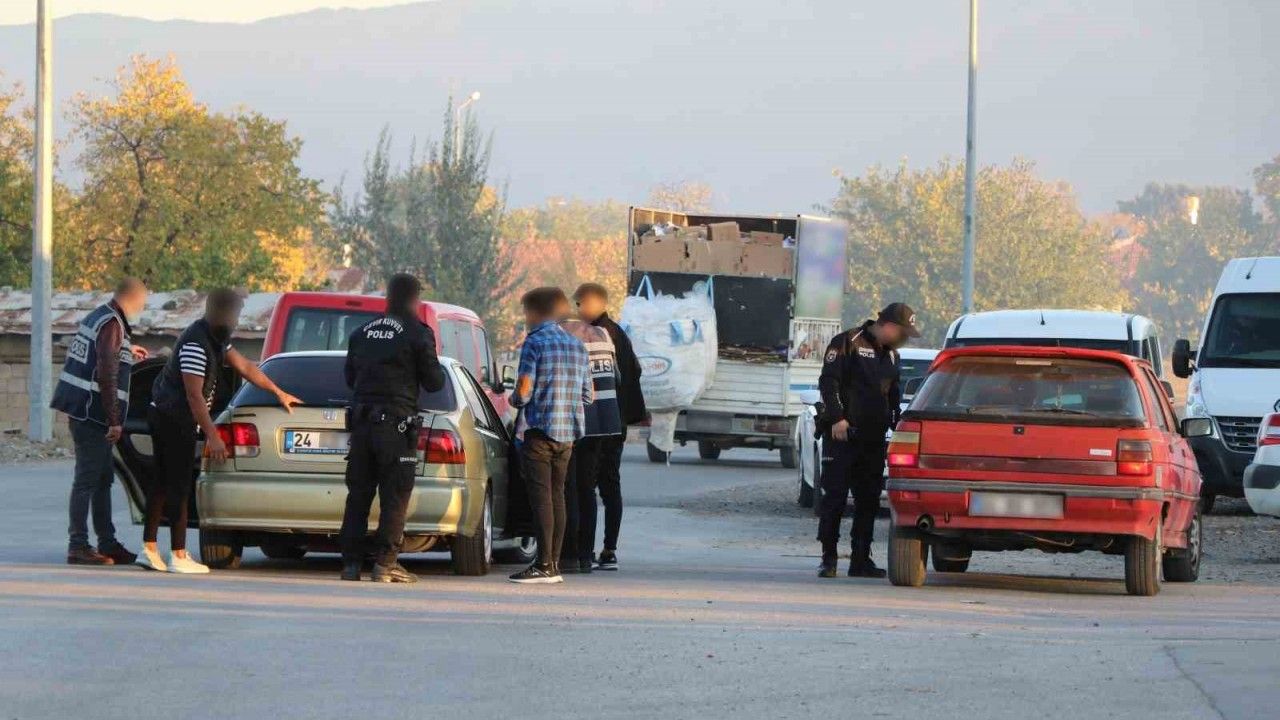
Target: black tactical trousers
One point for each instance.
(855, 465)
(381, 462)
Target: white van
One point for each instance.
(1094, 329)
(1235, 372)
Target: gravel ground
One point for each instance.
(16, 448)
(1239, 546)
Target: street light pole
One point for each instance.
(970, 161)
(457, 126)
(39, 384)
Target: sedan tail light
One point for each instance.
(1269, 433)
(1133, 457)
(441, 447)
(241, 439)
(904, 445)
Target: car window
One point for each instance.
(322, 328)
(1031, 390)
(458, 343)
(908, 369)
(1165, 417)
(486, 355)
(477, 402)
(318, 381)
(1244, 332)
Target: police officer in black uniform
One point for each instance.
(388, 360)
(860, 396)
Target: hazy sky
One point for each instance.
(13, 12)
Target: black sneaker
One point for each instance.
(394, 573)
(351, 570)
(585, 566)
(537, 575)
(827, 568)
(608, 560)
(865, 569)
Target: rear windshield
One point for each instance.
(318, 382)
(1054, 391)
(322, 329)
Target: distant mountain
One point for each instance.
(762, 99)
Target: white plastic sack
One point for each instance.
(676, 344)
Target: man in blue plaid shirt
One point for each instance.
(552, 390)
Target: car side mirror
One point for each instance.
(508, 378)
(1197, 427)
(912, 387)
(1183, 358)
(1168, 388)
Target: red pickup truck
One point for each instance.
(1056, 449)
(324, 321)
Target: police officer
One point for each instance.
(388, 360)
(860, 395)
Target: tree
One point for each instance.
(684, 196)
(1267, 176)
(1035, 248)
(439, 219)
(179, 195)
(1181, 259)
(16, 185)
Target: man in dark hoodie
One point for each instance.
(593, 302)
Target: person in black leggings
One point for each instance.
(180, 401)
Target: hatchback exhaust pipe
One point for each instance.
(925, 523)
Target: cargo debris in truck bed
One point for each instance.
(753, 354)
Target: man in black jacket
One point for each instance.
(388, 360)
(860, 394)
(592, 300)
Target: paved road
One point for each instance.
(713, 616)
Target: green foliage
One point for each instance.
(16, 185)
(1181, 261)
(1034, 248)
(438, 219)
(183, 197)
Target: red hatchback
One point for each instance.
(1056, 449)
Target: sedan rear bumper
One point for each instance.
(1087, 509)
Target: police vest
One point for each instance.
(77, 393)
(602, 416)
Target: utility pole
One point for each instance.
(40, 385)
(971, 161)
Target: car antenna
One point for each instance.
(1042, 322)
(1249, 275)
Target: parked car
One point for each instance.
(282, 488)
(1262, 476)
(1235, 373)
(1056, 449)
(325, 320)
(913, 365)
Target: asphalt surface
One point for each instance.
(713, 615)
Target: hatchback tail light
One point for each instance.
(441, 447)
(1133, 457)
(1269, 433)
(241, 439)
(904, 445)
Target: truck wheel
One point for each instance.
(656, 455)
(950, 558)
(471, 555)
(708, 450)
(220, 550)
(1183, 564)
(1207, 499)
(907, 553)
(1142, 566)
(789, 457)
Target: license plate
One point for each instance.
(316, 442)
(1015, 505)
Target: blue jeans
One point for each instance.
(92, 486)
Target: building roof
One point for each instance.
(167, 313)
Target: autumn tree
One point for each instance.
(182, 196)
(1183, 252)
(1035, 248)
(16, 185)
(683, 196)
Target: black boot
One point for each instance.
(827, 568)
(351, 570)
(393, 573)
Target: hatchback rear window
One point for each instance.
(1031, 390)
(318, 381)
(322, 329)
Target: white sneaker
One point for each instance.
(186, 566)
(150, 559)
